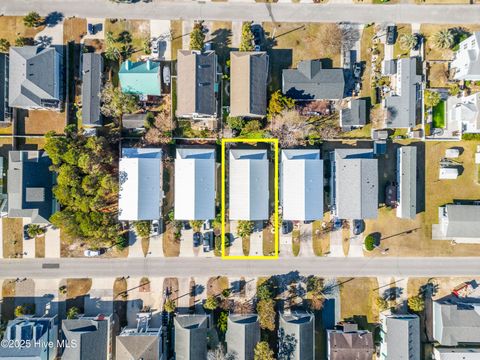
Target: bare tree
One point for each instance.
(219, 353)
(159, 131)
(331, 36)
(350, 35)
(290, 128)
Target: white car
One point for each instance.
(91, 253)
(155, 228)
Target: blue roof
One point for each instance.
(140, 78)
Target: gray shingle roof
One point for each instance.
(34, 79)
(145, 346)
(310, 81)
(92, 68)
(191, 337)
(134, 121)
(249, 75)
(30, 185)
(456, 323)
(355, 114)
(301, 326)
(356, 184)
(349, 345)
(197, 75)
(402, 107)
(91, 336)
(243, 333)
(407, 182)
(403, 337)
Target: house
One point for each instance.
(243, 333)
(92, 70)
(195, 173)
(464, 113)
(134, 122)
(354, 115)
(191, 337)
(466, 61)
(459, 223)
(248, 185)
(248, 83)
(456, 323)
(90, 338)
(347, 342)
(30, 184)
(312, 81)
(5, 110)
(297, 330)
(403, 102)
(36, 331)
(35, 78)
(354, 184)
(140, 78)
(197, 84)
(140, 181)
(301, 185)
(400, 336)
(445, 353)
(407, 182)
(142, 342)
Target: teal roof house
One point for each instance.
(140, 78)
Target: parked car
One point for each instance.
(257, 32)
(166, 75)
(92, 253)
(25, 233)
(286, 227)
(207, 225)
(154, 46)
(207, 241)
(358, 227)
(357, 70)
(155, 228)
(197, 239)
(208, 46)
(337, 223)
(257, 48)
(391, 34)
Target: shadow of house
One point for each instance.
(221, 41)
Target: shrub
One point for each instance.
(432, 98)
(32, 19)
(263, 352)
(169, 306)
(211, 303)
(4, 45)
(20, 311)
(381, 303)
(471, 137)
(266, 314)
(72, 313)
(369, 243)
(35, 230)
(244, 228)
(235, 123)
(142, 228)
(246, 42)
(197, 37)
(416, 303)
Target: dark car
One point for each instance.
(358, 227)
(197, 239)
(257, 32)
(91, 29)
(286, 227)
(186, 225)
(25, 233)
(207, 241)
(391, 34)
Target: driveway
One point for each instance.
(236, 33)
(134, 245)
(160, 29)
(51, 35)
(306, 246)
(52, 242)
(256, 240)
(336, 247)
(46, 297)
(186, 243)
(236, 247)
(356, 243)
(187, 27)
(285, 244)
(100, 297)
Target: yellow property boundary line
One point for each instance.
(276, 227)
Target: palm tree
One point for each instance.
(109, 38)
(124, 37)
(32, 19)
(112, 53)
(408, 41)
(4, 45)
(443, 39)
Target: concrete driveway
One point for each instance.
(161, 29)
(51, 35)
(134, 244)
(336, 247)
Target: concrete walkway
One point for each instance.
(256, 240)
(155, 247)
(52, 242)
(236, 247)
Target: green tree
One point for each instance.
(266, 314)
(35, 230)
(196, 224)
(443, 39)
(222, 322)
(235, 123)
(246, 42)
(263, 352)
(369, 242)
(211, 303)
(124, 37)
(146, 46)
(23, 41)
(264, 291)
(431, 98)
(116, 103)
(142, 228)
(4, 45)
(416, 303)
(454, 89)
(32, 19)
(169, 306)
(245, 228)
(408, 41)
(381, 303)
(279, 102)
(251, 126)
(72, 313)
(112, 52)
(109, 38)
(20, 311)
(197, 36)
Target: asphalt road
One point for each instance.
(285, 12)
(185, 267)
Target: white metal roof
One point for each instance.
(302, 185)
(448, 173)
(248, 185)
(195, 184)
(141, 192)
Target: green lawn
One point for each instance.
(438, 115)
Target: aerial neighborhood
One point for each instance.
(192, 189)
